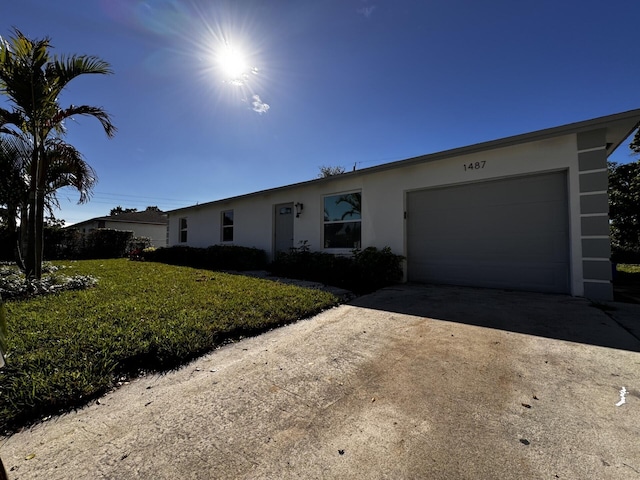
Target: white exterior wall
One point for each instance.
(383, 200)
(157, 233)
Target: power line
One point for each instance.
(143, 196)
(115, 197)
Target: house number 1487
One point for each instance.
(474, 165)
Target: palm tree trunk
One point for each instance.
(31, 256)
(14, 237)
(39, 238)
(24, 224)
(39, 227)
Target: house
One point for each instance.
(528, 212)
(151, 223)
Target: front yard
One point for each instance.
(69, 348)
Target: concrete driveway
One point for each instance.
(409, 382)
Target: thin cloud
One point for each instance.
(243, 78)
(259, 106)
(367, 11)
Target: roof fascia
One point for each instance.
(631, 117)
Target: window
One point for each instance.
(342, 220)
(102, 224)
(183, 230)
(227, 226)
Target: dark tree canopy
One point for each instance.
(635, 143)
(328, 171)
(624, 210)
(118, 210)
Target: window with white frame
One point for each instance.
(183, 229)
(227, 226)
(342, 220)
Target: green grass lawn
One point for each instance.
(67, 348)
(628, 269)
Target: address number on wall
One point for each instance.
(474, 165)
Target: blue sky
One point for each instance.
(322, 82)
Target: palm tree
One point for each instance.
(33, 80)
(66, 168)
(15, 154)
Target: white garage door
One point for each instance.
(510, 233)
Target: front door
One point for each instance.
(283, 227)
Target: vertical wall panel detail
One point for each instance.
(594, 212)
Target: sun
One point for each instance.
(233, 64)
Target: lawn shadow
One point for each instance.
(559, 317)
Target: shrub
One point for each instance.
(138, 243)
(14, 285)
(362, 272)
(232, 257)
(622, 255)
(62, 243)
(136, 246)
(378, 268)
(106, 243)
(215, 257)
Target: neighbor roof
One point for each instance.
(617, 128)
(146, 216)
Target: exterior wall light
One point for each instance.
(299, 208)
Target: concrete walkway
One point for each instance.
(409, 382)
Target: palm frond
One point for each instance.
(67, 68)
(96, 112)
(67, 168)
(22, 71)
(10, 117)
(15, 156)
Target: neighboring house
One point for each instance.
(528, 212)
(149, 223)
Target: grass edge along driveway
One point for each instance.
(68, 348)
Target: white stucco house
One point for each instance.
(528, 212)
(150, 223)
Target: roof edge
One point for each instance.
(536, 135)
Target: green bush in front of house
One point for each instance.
(215, 257)
(377, 268)
(106, 243)
(363, 272)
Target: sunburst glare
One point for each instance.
(219, 42)
(233, 65)
(232, 62)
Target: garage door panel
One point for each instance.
(525, 276)
(529, 216)
(508, 233)
(513, 192)
(541, 248)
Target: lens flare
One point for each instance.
(233, 65)
(217, 41)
